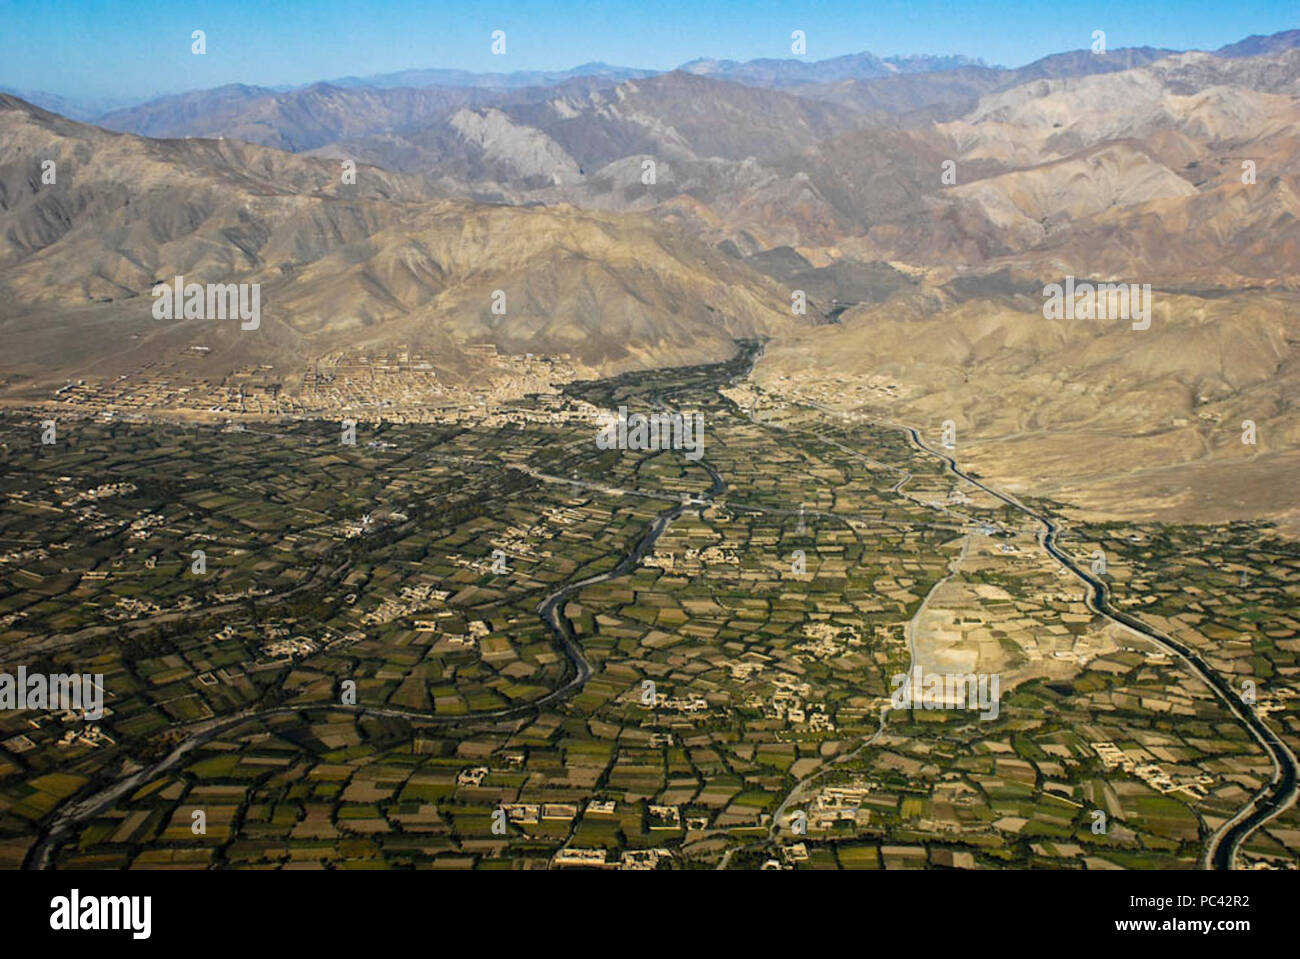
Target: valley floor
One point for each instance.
(496, 645)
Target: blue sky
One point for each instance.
(130, 48)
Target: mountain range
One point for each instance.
(633, 219)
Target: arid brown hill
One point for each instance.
(374, 262)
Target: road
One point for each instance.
(1279, 794)
(1221, 849)
(550, 609)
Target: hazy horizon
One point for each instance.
(137, 51)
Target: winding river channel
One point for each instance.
(1221, 849)
(1279, 794)
(550, 609)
